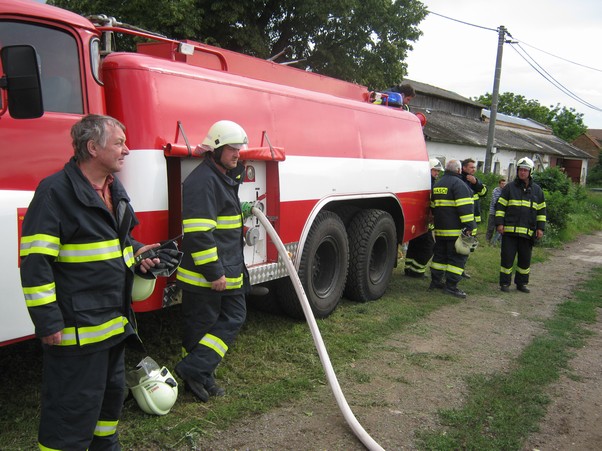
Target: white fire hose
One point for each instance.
(357, 428)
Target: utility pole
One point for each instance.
(494, 98)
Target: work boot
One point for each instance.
(523, 288)
(194, 386)
(215, 390)
(455, 291)
(505, 288)
(435, 285)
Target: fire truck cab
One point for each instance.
(342, 180)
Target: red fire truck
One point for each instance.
(343, 181)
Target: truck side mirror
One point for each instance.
(22, 81)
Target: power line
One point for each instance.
(534, 65)
(548, 77)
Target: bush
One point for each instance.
(553, 180)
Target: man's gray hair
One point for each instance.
(91, 127)
(453, 166)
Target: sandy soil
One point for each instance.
(398, 390)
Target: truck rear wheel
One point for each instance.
(322, 270)
(373, 250)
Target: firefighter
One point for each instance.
(453, 210)
(469, 167)
(420, 249)
(77, 271)
(212, 276)
(520, 218)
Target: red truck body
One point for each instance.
(317, 148)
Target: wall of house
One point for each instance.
(501, 162)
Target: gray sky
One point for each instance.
(461, 58)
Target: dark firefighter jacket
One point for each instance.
(213, 229)
(478, 191)
(453, 207)
(77, 263)
(521, 209)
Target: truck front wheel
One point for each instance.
(322, 270)
(373, 250)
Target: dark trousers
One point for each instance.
(511, 246)
(211, 323)
(447, 265)
(82, 397)
(420, 251)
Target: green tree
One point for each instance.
(566, 123)
(362, 41)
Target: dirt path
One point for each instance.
(415, 373)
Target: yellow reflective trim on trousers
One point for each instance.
(229, 222)
(40, 295)
(90, 252)
(128, 256)
(215, 343)
(198, 225)
(198, 280)
(206, 256)
(523, 271)
(455, 269)
(439, 266)
(39, 244)
(94, 334)
(45, 448)
(505, 270)
(105, 428)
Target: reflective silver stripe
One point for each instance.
(39, 244)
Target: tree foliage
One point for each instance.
(566, 123)
(362, 41)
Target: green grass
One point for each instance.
(274, 361)
(500, 411)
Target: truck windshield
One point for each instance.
(59, 63)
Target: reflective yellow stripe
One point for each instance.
(198, 225)
(516, 229)
(45, 448)
(540, 218)
(229, 222)
(69, 337)
(94, 334)
(523, 271)
(500, 213)
(206, 256)
(502, 201)
(39, 244)
(215, 343)
(40, 295)
(519, 203)
(198, 280)
(455, 269)
(105, 428)
(439, 266)
(128, 256)
(506, 270)
(90, 252)
(467, 218)
(451, 232)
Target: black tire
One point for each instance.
(372, 255)
(322, 270)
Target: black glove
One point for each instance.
(169, 259)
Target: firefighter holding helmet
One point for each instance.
(520, 217)
(212, 275)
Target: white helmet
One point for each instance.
(465, 244)
(526, 163)
(436, 164)
(225, 132)
(154, 389)
(142, 288)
